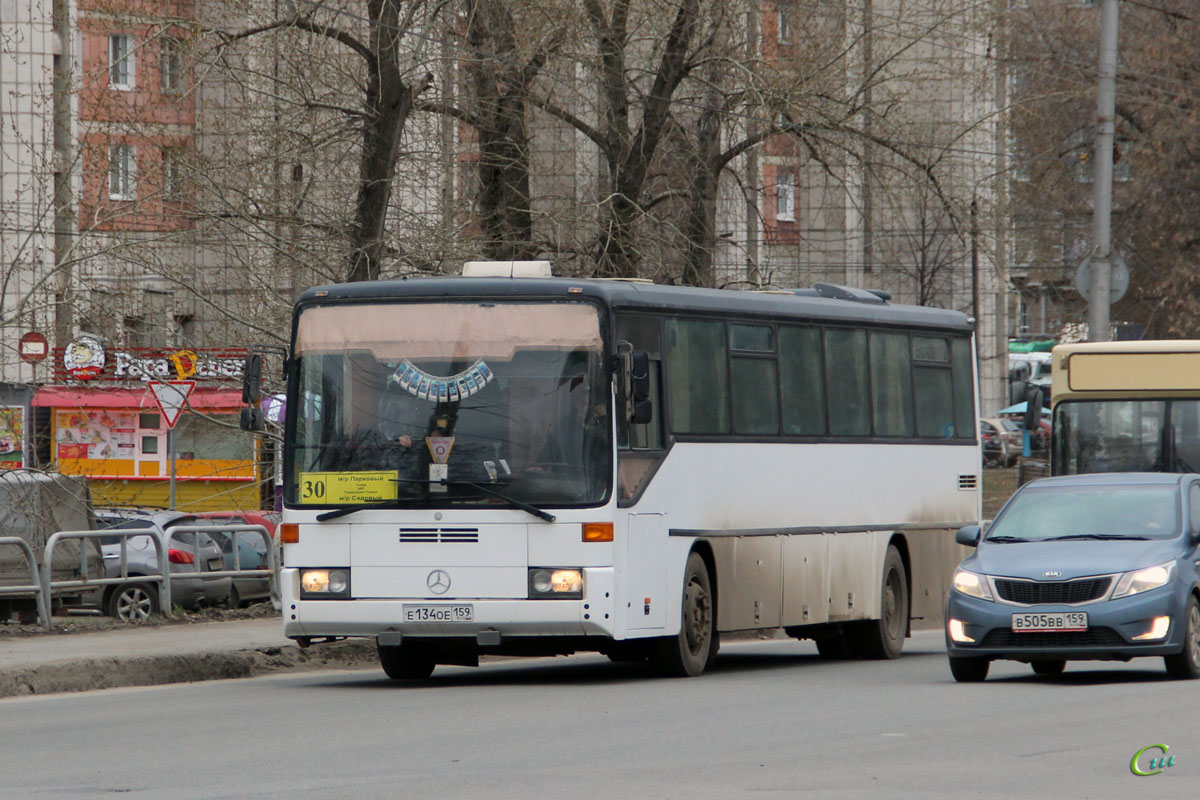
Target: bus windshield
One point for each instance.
(448, 403)
(1126, 436)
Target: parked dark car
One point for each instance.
(1097, 566)
(187, 552)
(252, 550)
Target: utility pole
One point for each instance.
(1101, 258)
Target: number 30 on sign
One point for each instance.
(336, 488)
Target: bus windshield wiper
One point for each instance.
(512, 501)
(1129, 536)
(344, 510)
(1006, 539)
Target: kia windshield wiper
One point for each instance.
(511, 501)
(1005, 539)
(1128, 536)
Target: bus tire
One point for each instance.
(883, 638)
(835, 647)
(402, 663)
(690, 652)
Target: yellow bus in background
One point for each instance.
(1126, 406)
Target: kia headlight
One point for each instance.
(324, 584)
(972, 584)
(1143, 580)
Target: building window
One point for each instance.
(185, 331)
(136, 334)
(785, 27)
(172, 175)
(121, 166)
(172, 66)
(785, 197)
(120, 61)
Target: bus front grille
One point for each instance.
(439, 535)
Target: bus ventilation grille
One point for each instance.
(968, 481)
(438, 535)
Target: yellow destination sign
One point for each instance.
(337, 488)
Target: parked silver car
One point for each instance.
(187, 552)
(251, 549)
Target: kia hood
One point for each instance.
(1074, 558)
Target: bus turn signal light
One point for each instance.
(289, 533)
(597, 531)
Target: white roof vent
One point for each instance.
(506, 269)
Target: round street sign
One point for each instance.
(1118, 285)
(33, 347)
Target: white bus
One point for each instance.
(539, 466)
(1126, 406)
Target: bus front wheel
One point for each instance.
(402, 663)
(688, 654)
(884, 637)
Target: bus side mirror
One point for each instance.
(641, 408)
(1033, 409)
(252, 379)
(968, 535)
(635, 380)
(252, 418)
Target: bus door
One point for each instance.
(646, 571)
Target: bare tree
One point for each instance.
(1052, 52)
(391, 82)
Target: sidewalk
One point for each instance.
(151, 655)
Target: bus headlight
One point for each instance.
(1142, 580)
(324, 584)
(971, 584)
(555, 583)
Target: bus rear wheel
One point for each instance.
(690, 653)
(402, 663)
(883, 638)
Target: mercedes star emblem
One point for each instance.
(438, 581)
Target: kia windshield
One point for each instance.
(448, 403)
(1103, 511)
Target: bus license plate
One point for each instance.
(1053, 621)
(438, 613)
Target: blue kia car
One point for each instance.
(1099, 567)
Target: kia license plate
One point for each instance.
(1050, 621)
(413, 613)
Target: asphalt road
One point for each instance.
(771, 720)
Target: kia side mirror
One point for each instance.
(968, 535)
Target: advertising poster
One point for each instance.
(95, 434)
(12, 437)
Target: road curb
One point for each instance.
(110, 673)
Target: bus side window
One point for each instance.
(640, 447)
(644, 333)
